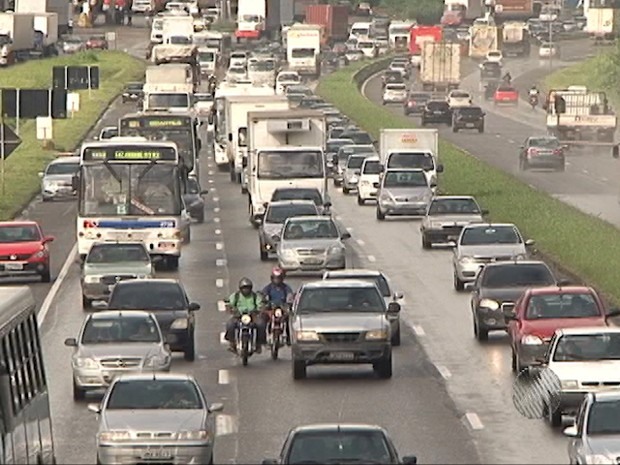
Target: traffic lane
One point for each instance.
(271, 403)
(479, 377)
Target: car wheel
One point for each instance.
(299, 369)
(480, 333)
(426, 243)
(380, 214)
(360, 201)
(383, 367)
(345, 190)
(189, 353)
(396, 336)
(46, 276)
(458, 284)
(78, 393)
(86, 302)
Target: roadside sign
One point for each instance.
(10, 140)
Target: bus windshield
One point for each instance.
(290, 164)
(165, 101)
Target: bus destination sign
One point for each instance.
(129, 154)
(153, 122)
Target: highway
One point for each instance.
(589, 182)
(448, 402)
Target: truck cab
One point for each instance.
(208, 60)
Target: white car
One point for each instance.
(547, 50)
(394, 93)
(399, 65)
(369, 178)
(238, 59)
(415, 60)
(495, 56)
(235, 73)
(285, 79)
(368, 48)
(459, 98)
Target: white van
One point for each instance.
(368, 48)
(360, 31)
(369, 180)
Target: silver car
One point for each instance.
(155, 418)
(446, 216)
(404, 192)
(341, 322)
(382, 283)
(340, 160)
(57, 179)
(394, 93)
(479, 244)
(107, 263)
(275, 215)
(112, 343)
(351, 175)
(311, 243)
(595, 435)
(73, 45)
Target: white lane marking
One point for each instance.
(567, 163)
(219, 282)
(360, 242)
(223, 377)
(219, 245)
(371, 258)
(444, 372)
(210, 181)
(223, 338)
(418, 330)
(216, 199)
(474, 421)
(216, 210)
(337, 217)
(210, 173)
(604, 179)
(225, 425)
(213, 189)
(49, 298)
(221, 306)
(510, 141)
(532, 186)
(585, 171)
(220, 262)
(498, 135)
(218, 231)
(216, 220)
(350, 230)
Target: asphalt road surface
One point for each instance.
(589, 182)
(448, 402)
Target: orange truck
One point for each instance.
(333, 18)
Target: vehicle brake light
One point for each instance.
(557, 152)
(532, 151)
(89, 224)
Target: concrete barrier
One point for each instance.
(370, 69)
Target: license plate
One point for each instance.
(312, 261)
(437, 113)
(13, 266)
(342, 356)
(470, 125)
(157, 454)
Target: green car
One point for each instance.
(107, 263)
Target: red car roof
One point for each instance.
(561, 290)
(18, 223)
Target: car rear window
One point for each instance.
(343, 447)
(372, 167)
(569, 305)
(490, 235)
(459, 95)
(437, 105)
(472, 111)
(517, 275)
(298, 194)
(280, 213)
(154, 394)
(147, 295)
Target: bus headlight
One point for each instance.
(113, 436)
(92, 279)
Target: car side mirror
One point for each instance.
(410, 460)
(440, 168)
(393, 307)
(94, 408)
(571, 431)
(193, 306)
(265, 204)
(71, 342)
(269, 462)
(451, 244)
(530, 242)
(509, 314)
(41, 174)
(47, 239)
(345, 236)
(216, 407)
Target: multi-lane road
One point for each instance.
(449, 400)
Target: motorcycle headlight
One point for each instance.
(307, 336)
(200, 435)
(278, 313)
(377, 335)
(179, 323)
(246, 319)
(90, 279)
(490, 304)
(531, 340)
(115, 435)
(156, 361)
(85, 362)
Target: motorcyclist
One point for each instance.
(245, 301)
(507, 78)
(279, 294)
(212, 83)
(534, 92)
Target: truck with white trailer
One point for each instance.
(515, 39)
(303, 49)
(17, 37)
(440, 66)
(602, 23)
(286, 148)
(399, 33)
(483, 39)
(251, 16)
(411, 148)
(177, 26)
(63, 8)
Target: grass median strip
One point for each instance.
(24, 164)
(584, 245)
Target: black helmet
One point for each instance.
(245, 282)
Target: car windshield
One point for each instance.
(372, 167)
(361, 138)
(454, 207)
(334, 299)
(147, 295)
(490, 235)
(603, 418)
(355, 162)
(311, 229)
(437, 106)
(121, 329)
(280, 213)
(562, 306)
(288, 77)
(544, 143)
(517, 275)
(405, 179)
(63, 168)
(116, 253)
(415, 160)
(343, 447)
(154, 394)
(21, 233)
(298, 194)
(588, 347)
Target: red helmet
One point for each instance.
(277, 272)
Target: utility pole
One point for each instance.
(553, 49)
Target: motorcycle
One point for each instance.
(246, 338)
(534, 101)
(212, 86)
(276, 331)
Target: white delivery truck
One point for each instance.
(440, 67)
(217, 122)
(178, 54)
(208, 59)
(303, 48)
(399, 33)
(516, 40)
(63, 8)
(167, 96)
(237, 109)
(251, 19)
(46, 27)
(177, 73)
(602, 24)
(17, 37)
(286, 149)
(411, 148)
(177, 26)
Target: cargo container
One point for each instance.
(17, 37)
(440, 68)
(63, 8)
(484, 38)
(299, 9)
(514, 10)
(333, 18)
(421, 34)
(515, 39)
(602, 23)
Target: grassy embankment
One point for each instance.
(584, 245)
(24, 164)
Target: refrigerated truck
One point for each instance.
(515, 39)
(303, 48)
(440, 68)
(17, 37)
(251, 15)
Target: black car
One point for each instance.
(310, 101)
(468, 118)
(414, 105)
(167, 300)
(133, 92)
(194, 201)
(339, 443)
(436, 111)
(392, 77)
(302, 193)
(490, 70)
(358, 136)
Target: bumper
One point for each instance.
(442, 235)
(543, 161)
(58, 193)
(367, 192)
(22, 268)
(413, 110)
(247, 34)
(169, 453)
(96, 291)
(403, 208)
(506, 101)
(335, 262)
(93, 379)
(130, 98)
(339, 354)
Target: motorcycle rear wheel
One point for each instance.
(244, 351)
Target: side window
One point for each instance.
(581, 415)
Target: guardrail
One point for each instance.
(370, 69)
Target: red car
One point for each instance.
(24, 250)
(506, 94)
(541, 311)
(97, 43)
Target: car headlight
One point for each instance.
(307, 336)
(598, 459)
(90, 279)
(520, 256)
(387, 198)
(85, 362)
(465, 260)
(200, 435)
(531, 340)
(40, 254)
(180, 323)
(377, 335)
(570, 384)
(489, 303)
(335, 250)
(156, 361)
(353, 178)
(115, 435)
(288, 253)
(246, 319)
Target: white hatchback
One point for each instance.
(459, 98)
(369, 179)
(394, 93)
(547, 50)
(495, 56)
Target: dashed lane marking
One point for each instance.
(216, 210)
(360, 242)
(49, 298)
(444, 372)
(474, 421)
(219, 282)
(221, 306)
(210, 172)
(216, 220)
(225, 425)
(223, 377)
(219, 245)
(220, 262)
(216, 199)
(210, 181)
(223, 340)
(218, 231)
(418, 330)
(371, 258)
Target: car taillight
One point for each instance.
(557, 152)
(532, 151)
(411, 104)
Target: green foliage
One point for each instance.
(424, 11)
(558, 228)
